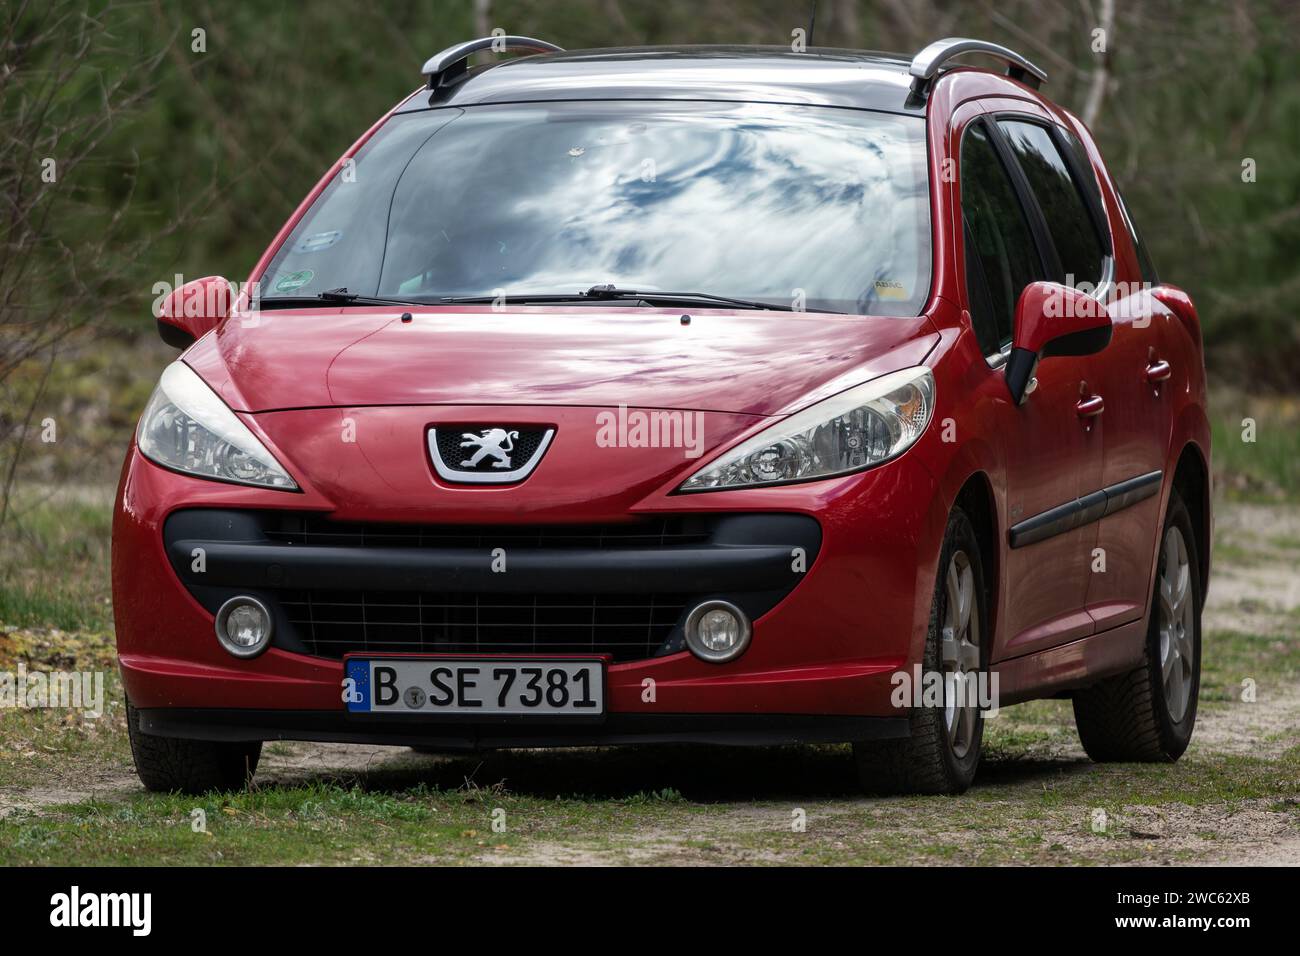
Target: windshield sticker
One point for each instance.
(321, 240)
(292, 281)
(890, 289)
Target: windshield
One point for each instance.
(810, 207)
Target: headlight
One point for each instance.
(187, 427)
(848, 432)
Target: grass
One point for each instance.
(1017, 814)
(56, 570)
(1267, 466)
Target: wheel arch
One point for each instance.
(976, 499)
(1192, 482)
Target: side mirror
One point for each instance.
(1053, 319)
(193, 310)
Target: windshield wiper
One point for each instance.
(334, 297)
(609, 293)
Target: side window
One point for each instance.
(1001, 258)
(1069, 222)
(1143, 254)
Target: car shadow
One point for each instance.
(698, 773)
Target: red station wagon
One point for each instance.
(718, 395)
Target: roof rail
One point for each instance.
(927, 63)
(443, 67)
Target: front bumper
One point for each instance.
(614, 729)
(824, 649)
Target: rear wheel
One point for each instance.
(1148, 714)
(942, 751)
(168, 764)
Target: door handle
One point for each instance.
(1159, 371)
(1090, 407)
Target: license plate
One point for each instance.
(431, 686)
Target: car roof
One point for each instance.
(857, 79)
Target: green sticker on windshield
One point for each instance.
(291, 281)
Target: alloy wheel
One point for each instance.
(1176, 623)
(960, 654)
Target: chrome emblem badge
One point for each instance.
(491, 442)
(474, 453)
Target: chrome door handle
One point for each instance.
(1090, 407)
(1159, 371)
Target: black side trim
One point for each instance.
(1126, 493)
(342, 727)
(1091, 507)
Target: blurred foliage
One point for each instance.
(1256, 443)
(247, 125)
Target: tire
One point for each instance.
(1140, 716)
(171, 764)
(935, 757)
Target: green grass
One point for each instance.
(55, 570)
(1267, 468)
(1013, 816)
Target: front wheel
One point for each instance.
(943, 748)
(1147, 715)
(170, 764)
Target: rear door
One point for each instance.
(1137, 370)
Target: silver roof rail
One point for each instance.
(451, 62)
(927, 63)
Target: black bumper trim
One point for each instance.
(342, 727)
(231, 564)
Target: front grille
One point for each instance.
(650, 533)
(524, 443)
(621, 588)
(627, 627)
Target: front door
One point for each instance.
(1052, 452)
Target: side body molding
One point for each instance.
(1091, 507)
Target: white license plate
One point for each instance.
(430, 686)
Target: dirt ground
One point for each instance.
(1234, 798)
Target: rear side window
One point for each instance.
(1143, 253)
(1001, 258)
(1068, 221)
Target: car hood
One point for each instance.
(759, 363)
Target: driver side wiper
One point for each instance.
(611, 293)
(332, 297)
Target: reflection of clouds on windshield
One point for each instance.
(745, 200)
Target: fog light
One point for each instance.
(244, 626)
(717, 631)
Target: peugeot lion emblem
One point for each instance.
(487, 454)
(495, 442)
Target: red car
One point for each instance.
(720, 395)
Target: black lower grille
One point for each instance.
(622, 588)
(625, 626)
(641, 533)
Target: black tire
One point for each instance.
(1127, 718)
(925, 762)
(171, 764)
